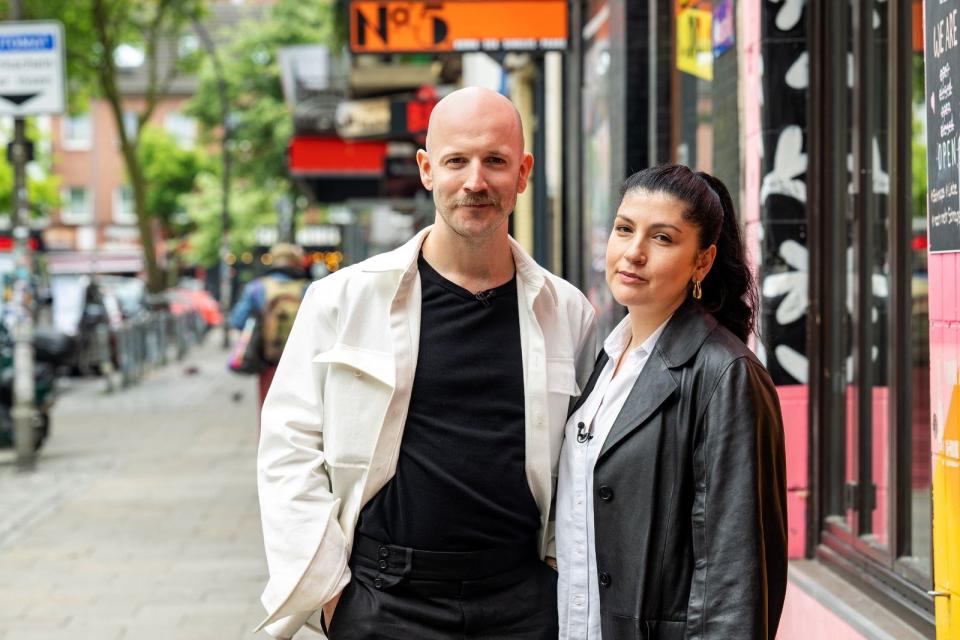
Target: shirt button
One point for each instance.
(357, 374)
(384, 552)
(578, 601)
(604, 579)
(605, 493)
(377, 583)
(382, 564)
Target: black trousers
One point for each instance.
(399, 593)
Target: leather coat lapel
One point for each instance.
(655, 384)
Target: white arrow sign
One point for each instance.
(31, 68)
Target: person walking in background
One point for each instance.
(273, 298)
(671, 505)
(410, 438)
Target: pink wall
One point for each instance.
(794, 401)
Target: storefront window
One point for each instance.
(597, 178)
(877, 463)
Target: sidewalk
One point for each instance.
(141, 521)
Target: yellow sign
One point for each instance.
(946, 524)
(410, 26)
(695, 42)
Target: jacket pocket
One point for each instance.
(561, 389)
(357, 387)
(562, 376)
(663, 629)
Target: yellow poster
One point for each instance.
(946, 506)
(695, 42)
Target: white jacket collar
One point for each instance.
(404, 258)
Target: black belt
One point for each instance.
(441, 565)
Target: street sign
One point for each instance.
(409, 26)
(31, 68)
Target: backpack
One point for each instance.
(281, 302)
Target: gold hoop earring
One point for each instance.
(697, 291)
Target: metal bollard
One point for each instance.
(105, 356)
(124, 356)
(181, 337)
(162, 336)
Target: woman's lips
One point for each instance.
(630, 278)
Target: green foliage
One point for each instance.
(918, 161)
(261, 123)
(170, 172)
(249, 208)
(43, 188)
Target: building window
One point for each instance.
(182, 128)
(131, 124)
(872, 397)
(77, 132)
(124, 208)
(77, 206)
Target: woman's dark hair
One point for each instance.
(729, 292)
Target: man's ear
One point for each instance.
(526, 166)
(426, 169)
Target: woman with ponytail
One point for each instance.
(671, 505)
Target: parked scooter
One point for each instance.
(51, 349)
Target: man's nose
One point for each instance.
(476, 180)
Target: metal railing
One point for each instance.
(123, 355)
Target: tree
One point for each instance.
(261, 123)
(95, 30)
(170, 172)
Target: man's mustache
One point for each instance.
(477, 200)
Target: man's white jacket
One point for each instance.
(333, 419)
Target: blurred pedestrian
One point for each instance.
(671, 504)
(273, 298)
(411, 435)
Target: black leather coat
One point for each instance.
(690, 512)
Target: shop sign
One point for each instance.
(695, 41)
(317, 235)
(942, 70)
(423, 26)
(363, 118)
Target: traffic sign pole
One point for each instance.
(31, 83)
(23, 411)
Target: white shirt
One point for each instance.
(578, 596)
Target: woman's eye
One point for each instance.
(621, 229)
(662, 237)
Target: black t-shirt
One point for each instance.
(461, 483)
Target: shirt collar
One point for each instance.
(404, 258)
(619, 338)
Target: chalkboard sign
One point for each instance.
(942, 70)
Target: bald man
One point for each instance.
(410, 438)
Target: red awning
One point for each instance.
(311, 156)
